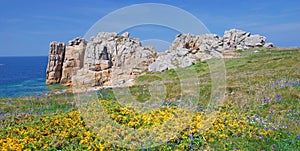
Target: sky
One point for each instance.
(28, 26)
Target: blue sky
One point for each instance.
(28, 26)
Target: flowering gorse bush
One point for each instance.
(69, 131)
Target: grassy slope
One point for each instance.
(262, 86)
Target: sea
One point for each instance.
(23, 76)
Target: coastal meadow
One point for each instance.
(260, 111)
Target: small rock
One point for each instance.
(268, 45)
(182, 52)
(121, 81)
(125, 35)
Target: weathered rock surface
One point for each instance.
(113, 60)
(55, 62)
(255, 40)
(73, 60)
(110, 59)
(187, 49)
(106, 60)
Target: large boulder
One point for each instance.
(163, 62)
(255, 40)
(185, 50)
(241, 40)
(234, 38)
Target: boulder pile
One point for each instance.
(187, 49)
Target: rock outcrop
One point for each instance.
(105, 60)
(55, 62)
(187, 49)
(110, 59)
(113, 60)
(73, 60)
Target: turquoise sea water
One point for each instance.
(22, 76)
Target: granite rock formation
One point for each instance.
(73, 60)
(187, 49)
(113, 60)
(110, 59)
(55, 62)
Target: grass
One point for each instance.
(260, 110)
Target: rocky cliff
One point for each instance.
(73, 60)
(110, 59)
(55, 62)
(113, 60)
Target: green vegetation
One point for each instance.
(119, 38)
(260, 110)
